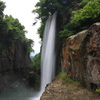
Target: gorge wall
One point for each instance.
(80, 57)
(14, 62)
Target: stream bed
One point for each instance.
(20, 93)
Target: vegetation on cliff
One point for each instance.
(36, 61)
(75, 15)
(12, 30)
(45, 8)
(34, 76)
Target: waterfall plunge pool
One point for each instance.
(20, 93)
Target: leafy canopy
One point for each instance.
(12, 30)
(45, 8)
(90, 9)
(2, 7)
(73, 19)
(36, 61)
(87, 14)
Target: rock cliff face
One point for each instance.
(81, 57)
(15, 57)
(13, 64)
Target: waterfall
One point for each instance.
(48, 52)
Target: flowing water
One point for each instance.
(48, 66)
(48, 52)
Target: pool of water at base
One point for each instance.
(20, 93)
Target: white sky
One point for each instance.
(22, 10)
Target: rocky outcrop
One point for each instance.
(80, 57)
(14, 62)
(61, 90)
(14, 57)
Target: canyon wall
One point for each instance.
(80, 57)
(14, 62)
(14, 57)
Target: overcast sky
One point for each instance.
(22, 10)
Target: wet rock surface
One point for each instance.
(61, 90)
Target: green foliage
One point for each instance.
(81, 19)
(45, 8)
(36, 68)
(91, 9)
(14, 26)
(36, 61)
(41, 30)
(98, 90)
(12, 30)
(66, 30)
(62, 75)
(2, 6)
(28, 43)
(87, 14)
(67, 78)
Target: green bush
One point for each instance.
(62, 75)
(67, 78)
(36, 61)
(90, 9)
(98, 90)
(12, 30)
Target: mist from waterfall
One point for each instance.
(48, 52)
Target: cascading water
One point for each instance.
(48, 52)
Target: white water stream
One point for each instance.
(48, 52)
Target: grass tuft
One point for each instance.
(67, 78)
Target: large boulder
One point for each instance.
(81, 56)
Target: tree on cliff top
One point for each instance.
(12, 30)
(90, 9)
(45, 8)
(78, 12)
(87, 14)
(2, 7)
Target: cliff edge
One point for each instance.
(62, 90)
